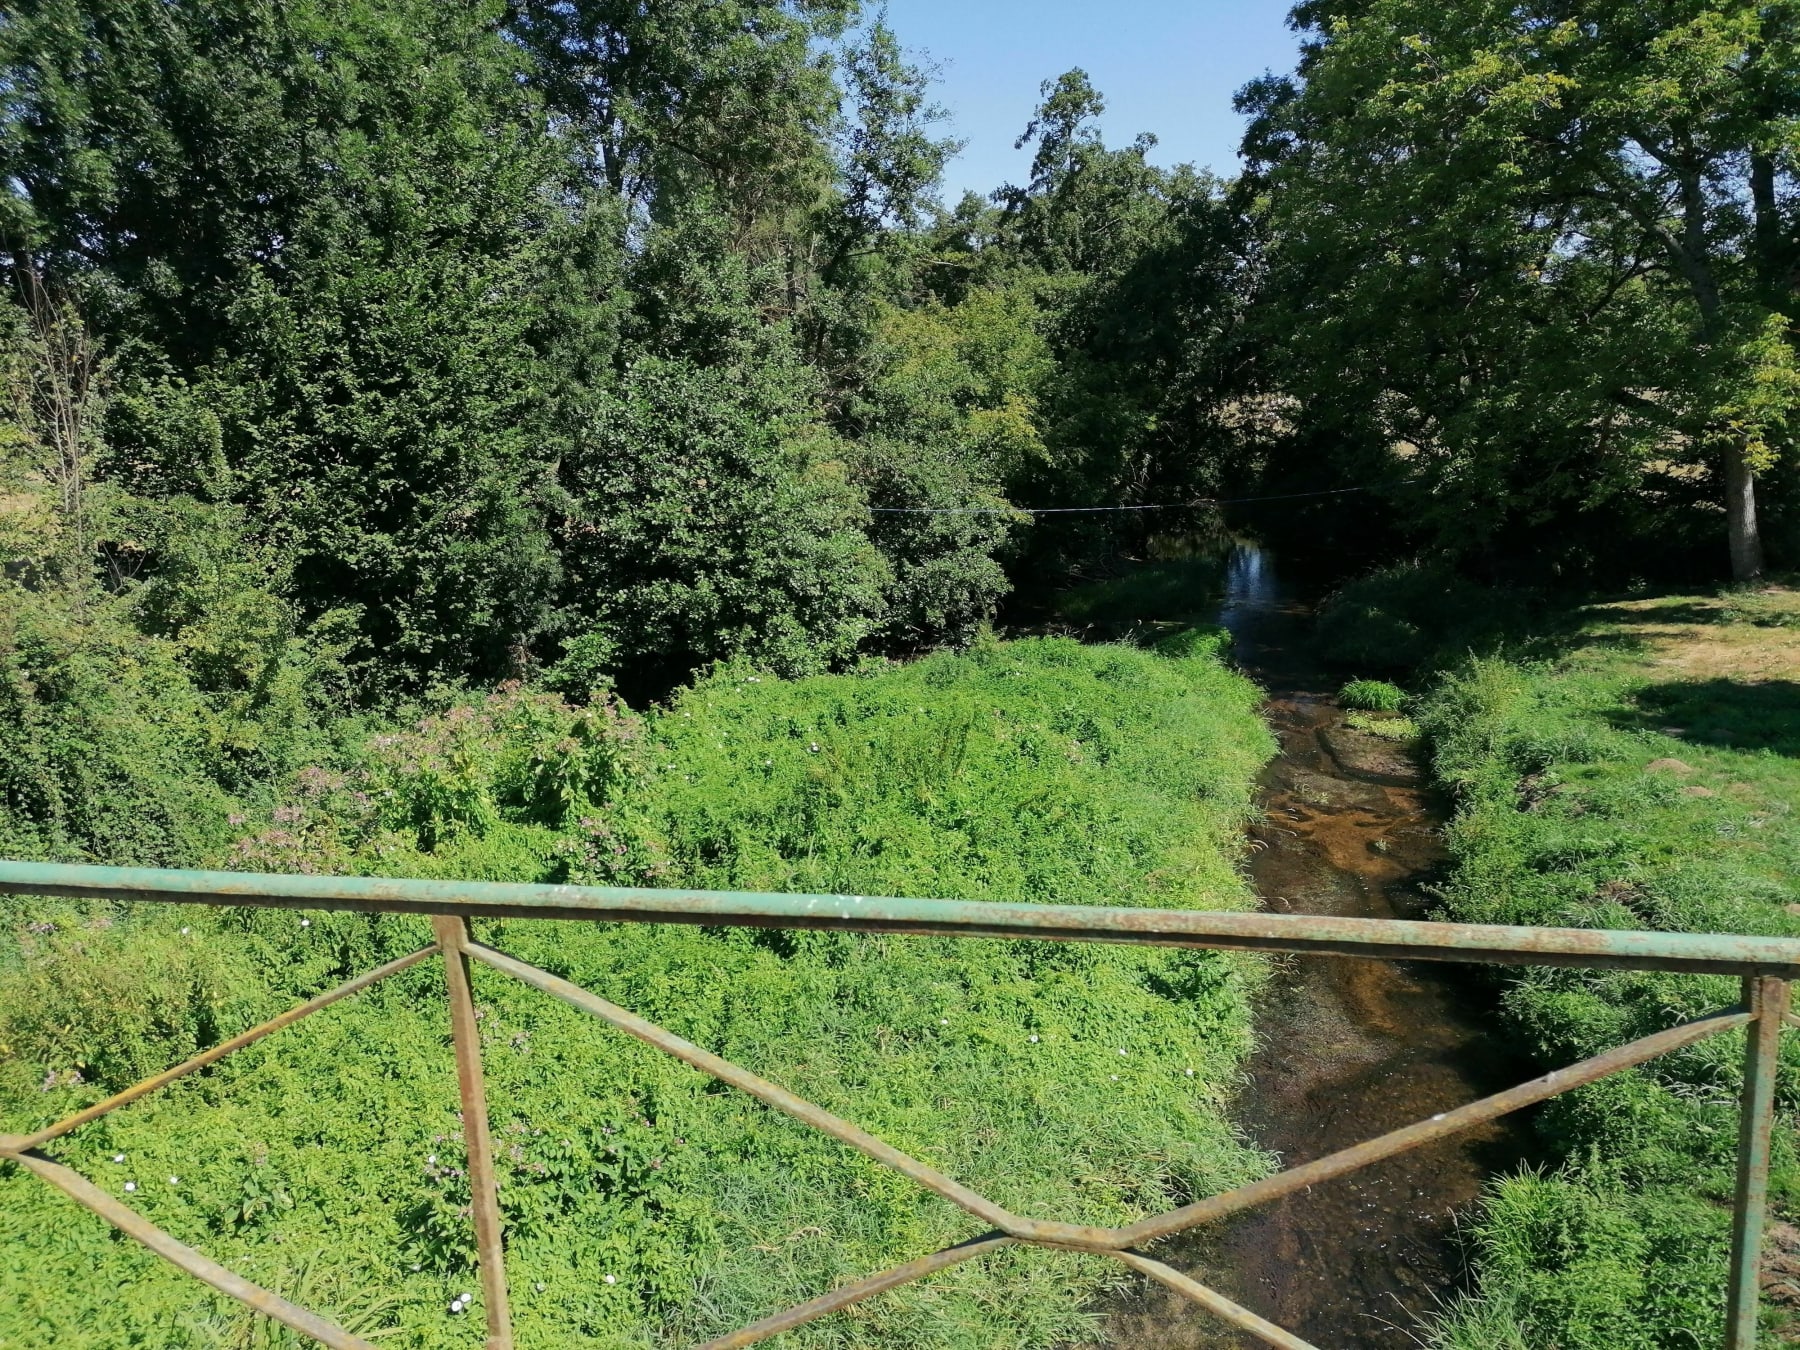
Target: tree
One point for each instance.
(1560, 232)
(726, 99)
(331, 248)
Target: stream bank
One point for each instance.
(1347, 1048)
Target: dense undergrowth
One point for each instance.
(644, 1206)
(1632, 765)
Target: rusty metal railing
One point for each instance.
(1766, 966)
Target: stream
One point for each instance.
(1347, 1048)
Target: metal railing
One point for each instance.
(1765, 965)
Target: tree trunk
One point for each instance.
(1740, 515)
(1743, 535)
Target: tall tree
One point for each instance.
(1586, 207)
(327, 241)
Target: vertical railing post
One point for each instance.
(1767, 999)
(452, 933)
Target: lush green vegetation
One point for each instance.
(1372, 696)
(386, 386)
(1531, 274)
(642, 1206)
(1644, 777)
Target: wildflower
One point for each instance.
(1034, 1040)
(1121, 1052)
(432, 1160)
(1115, 1078)
(456, 1305)
(610, 1279)
(118, 1157)
(466, 1298)
(814, 747)
(943, 1021)
(307, 923)
(1190, 1073)
(131, 1185)
(415, 1265)
(540, 1286)
(174, 1181)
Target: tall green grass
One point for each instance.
(1603, 790)
(651, 1207)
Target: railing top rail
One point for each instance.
(1714, 953)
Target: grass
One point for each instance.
(1644, 777)
(1085, 1083)
(1390, 727)
(1372, 696)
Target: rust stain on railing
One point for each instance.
(1765, 965)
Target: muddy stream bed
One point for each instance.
(1347, 1048)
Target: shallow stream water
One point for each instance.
(1348, 1048)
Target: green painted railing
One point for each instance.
(1766, 966)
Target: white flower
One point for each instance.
(306, 923)
(466, 1298)
(118, 1157)
(943, 1021)
(814, 747)
(184, 932)
(415, 1265)
(456, 1305)
(174, 1181)
(1115, 1078)
(1121, 1052)
(1190, 1073)
(540, 1286)
(1034, 1040)
(432, 1159)
(611, 1279)
(131, 1185)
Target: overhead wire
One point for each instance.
(1098, 510)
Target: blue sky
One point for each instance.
(1167, 66)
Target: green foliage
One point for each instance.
(720, 522)
(1085, 1082)
(1566, 1264)
(1388, 727)
(1583, 802)
(1171, 601)
(1530, 263)
(1419, 617)
(1372, 696)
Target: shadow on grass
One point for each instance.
(1733, 714)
